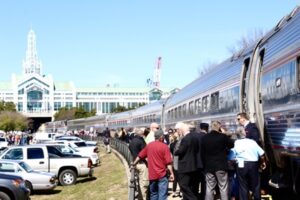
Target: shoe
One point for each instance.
(179, 195)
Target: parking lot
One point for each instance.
(109, 182)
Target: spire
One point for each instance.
(31, 64)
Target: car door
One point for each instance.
(36, 158)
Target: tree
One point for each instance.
(123, 108)
(119, 109)
(7, 106)
(81, 113)
(12, 121)
(65, 114)
(73, 113)
(207, 67)
(236, 50)
(246, 41)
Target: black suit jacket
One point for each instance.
(189, 153)
(215, 146)
(252, 132)
(136, 145)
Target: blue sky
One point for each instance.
(96, 42)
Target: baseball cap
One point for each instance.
(158, 134)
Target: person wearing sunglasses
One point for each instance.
(251, 129)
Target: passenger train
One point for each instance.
(262, 80)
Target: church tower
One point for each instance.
(31, 64)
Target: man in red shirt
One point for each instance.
(159, 159)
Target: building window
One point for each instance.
(20, 106)
(69, 105)
(57, 105)
(21, 91)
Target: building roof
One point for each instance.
(113, 89)
(119, 89)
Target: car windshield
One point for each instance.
(2, 151)
(25, 166)
(80, 144)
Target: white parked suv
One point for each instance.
(76, 139)
(3, 143)
(49, 159)
(89, 151)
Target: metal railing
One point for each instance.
(122, 148)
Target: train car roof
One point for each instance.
(216, 73)
(216, 76)
(149, 108)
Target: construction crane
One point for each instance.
(156, 75)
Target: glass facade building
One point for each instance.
(38, 95)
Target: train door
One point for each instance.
(250, 92)
(244, 85)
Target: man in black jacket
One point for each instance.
(215, 145)
(189, 161)
(251, 129)
(135, 146)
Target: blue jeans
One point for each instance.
(159, 189)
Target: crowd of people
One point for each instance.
(203, 163)
(17, 137)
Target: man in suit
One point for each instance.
(189, 162)
(201, 176)
(214, 148)
(251, 129)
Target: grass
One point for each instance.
(109, 182)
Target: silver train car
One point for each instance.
(89, 123)
(262, 80)
(56, 127)
(145, 115)
(118, 120)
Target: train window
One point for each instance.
(298, 68)
(179, 111)
(279, 84)
(184, 110)
(198, 106)
(205, 103)
(214, 101)
(191, 108)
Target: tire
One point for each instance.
(29, 186)
(4, 196)
(67, 177)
